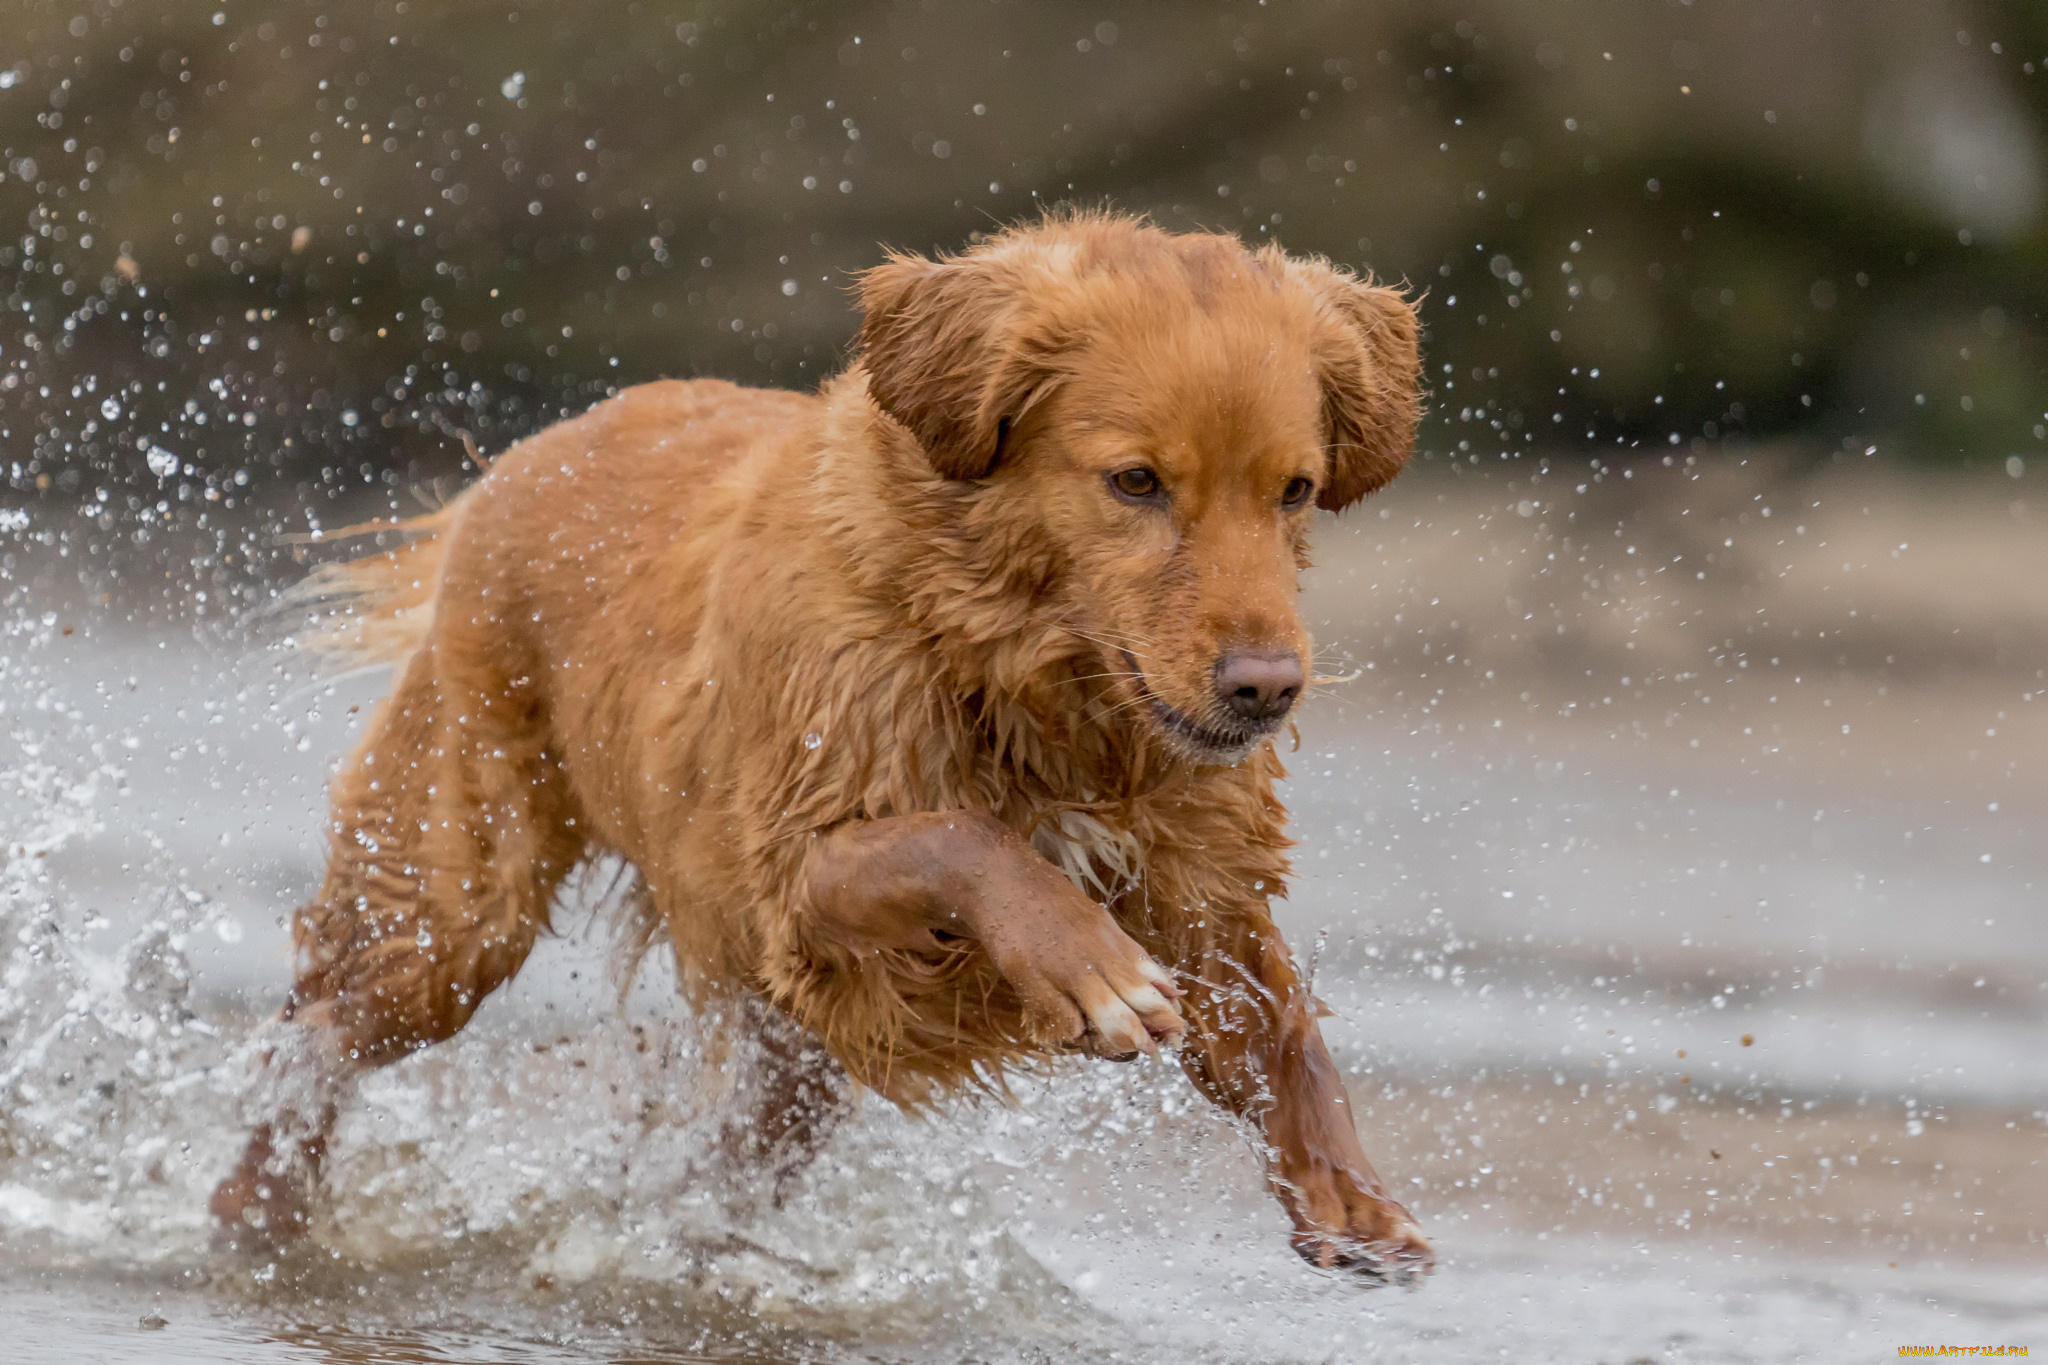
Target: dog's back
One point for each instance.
(665, 438)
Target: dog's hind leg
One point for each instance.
(789, 1106)
(451, 830)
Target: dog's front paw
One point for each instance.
(1093, 989)
(1341, 1223)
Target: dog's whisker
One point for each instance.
(1091, 677)
(1337, 697)
(1106, 641)
(1138, 637)
(1113, 646)
(1130, 704)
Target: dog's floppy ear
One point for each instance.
(1371, 369)
(936, 339)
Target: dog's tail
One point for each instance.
(378, 609)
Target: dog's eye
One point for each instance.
(1298, 491)
(1138, 484)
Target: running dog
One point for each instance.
(933, 711)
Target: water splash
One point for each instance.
(97, 1048)
(579, 1165)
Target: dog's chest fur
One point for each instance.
(1103, 860)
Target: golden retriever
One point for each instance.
(934, 711)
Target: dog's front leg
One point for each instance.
(913, 882)
(1257, 1051)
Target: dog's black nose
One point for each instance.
(1258, 687)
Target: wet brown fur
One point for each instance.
(712, 630)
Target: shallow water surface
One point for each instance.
(1683, 933)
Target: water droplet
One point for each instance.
(813, 740)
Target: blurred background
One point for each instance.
(298, 241)
(1673, 860)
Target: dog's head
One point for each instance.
(1167, 411)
